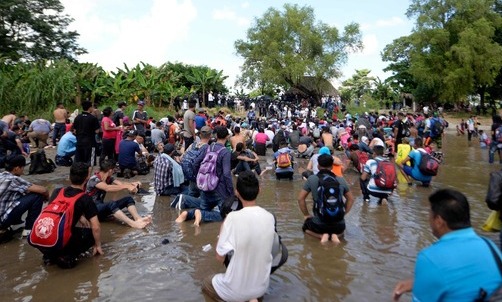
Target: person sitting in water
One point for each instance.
(320, 225)
(101, 183)
(168, 178)
(415, 156)
(249, 234)
(367, 181)
(66, 149)
(283, 160)
(248, 160)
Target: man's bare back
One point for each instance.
(60, 115)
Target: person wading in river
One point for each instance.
(322, 225)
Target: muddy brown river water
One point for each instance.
(379, 248)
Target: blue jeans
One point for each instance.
(174, 190)
(245, 166)
(193, 190)
(491, 154)
(59, 130)
(31, 202)
(208, 201)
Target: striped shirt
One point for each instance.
(12, 188)
(370, 167)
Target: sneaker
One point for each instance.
(175, 201)
(26, 233)
(366, 200)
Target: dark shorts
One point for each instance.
(324, 228)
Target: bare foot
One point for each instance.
(324, 238)
(335, 239)
(383, 201)
(182, 217)
(198, 217)
(146, 219)
(139, 224)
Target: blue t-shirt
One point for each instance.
(200, 121)
(455, 267)
(67, 144)
(416, 156)
(127, 153)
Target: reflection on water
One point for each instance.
(379, 247)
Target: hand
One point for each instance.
(25, 154)
(305, 217)
(97, 250)
(401, 288)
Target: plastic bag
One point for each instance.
(492, 223)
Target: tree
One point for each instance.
(454, 52)
(357, 85)
(398, 54)
(36, 29)
(284, 47)
(204, 78)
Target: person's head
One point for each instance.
(15, 164)
(107, 111)
(191, 104)
(132, 134)
(141, 105)
(237, 130)
(169, 149)
(261, 130)
(107, 166)
(86, 106)
(378, 150)
(79, 173)
(449, 211)
(122, 104)
(60, 105)
(140, 139)
(221, 132)
(401, 115)
(239, 147)
(419, 143)
(325, 162)
(247, 186)
(205, 132)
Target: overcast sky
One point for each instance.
(203, 32)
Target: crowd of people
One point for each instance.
(195, 158)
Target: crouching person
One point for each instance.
(330, 208)
(69, 225)
(169, 178)
(18, 196)
(249, 235)
(101, 183)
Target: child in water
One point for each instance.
(484, 141)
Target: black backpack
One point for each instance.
(494, 196)
(330, 206)
(40, 164)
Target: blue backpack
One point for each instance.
(207, 179)
(330, 206)
(436, 127)
(188, 159)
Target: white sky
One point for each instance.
(203, 32)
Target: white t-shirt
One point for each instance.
(248, 232)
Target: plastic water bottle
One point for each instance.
(206, 248)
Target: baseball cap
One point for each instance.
(206, 129)
(201, 110)
(132, 133)
(141, 103)
(324, 150)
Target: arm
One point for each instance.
(107, 126)
(191, 125)
(303, 204)
(349, 202)
(96, 233)
(402, 287)
(310, 165)
(20, 146)
(114, 187)
(39, 190)
(364, 175)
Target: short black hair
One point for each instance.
(86, 105)
(419, 142)
(106, 165)
(452, 206)
(107, 111)
(221, 132)
(248, 185)
(325, 161)
(14, 161)
(192, 103)
(378, 150)
(79, 172)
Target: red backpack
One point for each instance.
(385, 175)
(362, 158)
(283, 160)
(52, 229)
